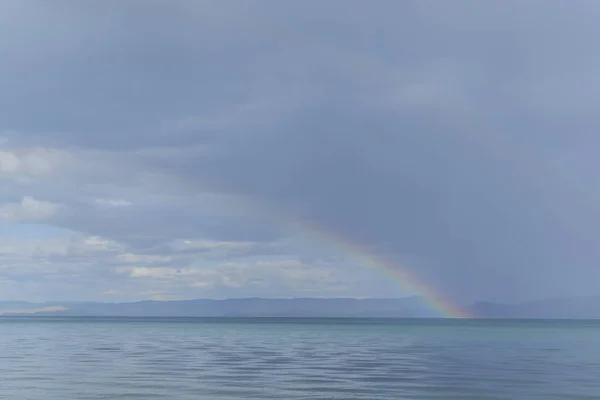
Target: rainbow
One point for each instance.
(429, 295)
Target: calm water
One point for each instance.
(297, 359)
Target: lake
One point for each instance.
(297, 358)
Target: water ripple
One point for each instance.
(232, 359)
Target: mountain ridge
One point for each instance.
(577, 307)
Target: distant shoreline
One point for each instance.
(584, 308)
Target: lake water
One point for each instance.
(217, 359)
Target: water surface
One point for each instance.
(103, 358)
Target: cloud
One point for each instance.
(187, 138)
(113, 202)
(28, 209)
(33, 163)
(291, 275)
(213, 245)
(142, 258)
(70, 251)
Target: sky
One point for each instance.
(174, 149)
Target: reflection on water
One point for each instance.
(297, 359)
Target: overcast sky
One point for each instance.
(166, 149)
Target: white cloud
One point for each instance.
(202, 284)
(28, 209)
(9, 162)
(301, 275)
(164, 272)
(57, 252)
(130, 258)
(96, 244)
(213, 245)
(7, 248)
(291, 274)
(113, 202)
(35, 162)
(74, 246)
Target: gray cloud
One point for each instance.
(460, 133)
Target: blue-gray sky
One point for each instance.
(163, 149)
